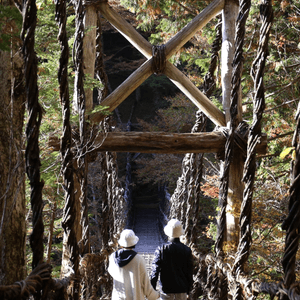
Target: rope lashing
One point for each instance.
(158, 59)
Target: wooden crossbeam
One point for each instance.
(161, 142)
(187, 32)
(195, 95)
(115, 98)
(142, 73)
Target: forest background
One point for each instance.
(159, 21)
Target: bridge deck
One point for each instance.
(147, 229)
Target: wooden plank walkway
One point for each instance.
(147, 229)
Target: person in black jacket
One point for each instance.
(173, 262)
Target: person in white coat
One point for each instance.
(128, 270)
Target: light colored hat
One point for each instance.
(128, 238)
(174, 229)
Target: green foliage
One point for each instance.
(56, 271)
(10, 26)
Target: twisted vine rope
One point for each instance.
(82, 149)
(254, 137)
(292, 223)
(68, 222)
(31, 285)
(234, 285)
(185, 203)
(32, 130)
(209, 79)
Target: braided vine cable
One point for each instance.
(179, 194)
(104, 202)
(234, 285)
(223, 192)
(194, 187)
(119, 203)
(81, 152)
(99, 62)
(185, 199)
(21, 290)
(209, 79)
(32, 152)
(254, 136)
(292, 223)
(103, 126)
(235, 82)
(67, 170)
(111, 188)
(238, 60)
(189, 194)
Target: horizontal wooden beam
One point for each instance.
(161, 142)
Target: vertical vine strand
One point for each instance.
(32, 130)
(67, 170)
(292, 223)
(254, 136)
(238, 60)
(79, 92)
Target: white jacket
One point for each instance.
(131, 282)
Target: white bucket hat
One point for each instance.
(128, 238)
(174, 229)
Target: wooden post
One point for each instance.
(229, 16)
(89, 55)
(89, 51)
(236, 187)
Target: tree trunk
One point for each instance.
(12, 184)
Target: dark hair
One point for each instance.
(132, 247)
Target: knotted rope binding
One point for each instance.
(158, 59)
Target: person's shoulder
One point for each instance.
(139, 257)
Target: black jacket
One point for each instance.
(173, 261)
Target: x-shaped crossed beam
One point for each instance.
(145, 70)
